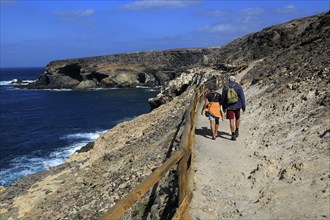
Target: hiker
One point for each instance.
(233, 100)
(212, 108)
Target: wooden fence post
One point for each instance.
(128, 201)
(185, 156)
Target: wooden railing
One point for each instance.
(184, 156)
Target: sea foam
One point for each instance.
(7, 83)
(15, 82)
(30, 164)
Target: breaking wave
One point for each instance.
(30, 164)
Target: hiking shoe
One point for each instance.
(236, 133)
(233, 137)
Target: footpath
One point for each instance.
(221, 187)
(275, 169)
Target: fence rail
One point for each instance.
(184, 156)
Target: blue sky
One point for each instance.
(33, 33)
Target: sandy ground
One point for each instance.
(240, 180)
(272, 171)
(222, 168)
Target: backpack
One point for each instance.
(232, 96)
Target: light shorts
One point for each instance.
(212, 118)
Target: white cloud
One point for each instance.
(286, 9)
(221, 28)
(253, 11)
(215, 13)
(74, 14)
(153, 4)
(86, 12)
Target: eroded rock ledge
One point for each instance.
(153, 68)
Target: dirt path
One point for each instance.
(222, 167)
(222, 189)
(272, 171)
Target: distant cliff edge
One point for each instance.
(153, 68)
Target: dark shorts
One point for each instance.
(232, 114)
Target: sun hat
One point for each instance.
(232, 78)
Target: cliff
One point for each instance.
(287, 102)
(153, 68)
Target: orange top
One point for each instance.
(214, 109)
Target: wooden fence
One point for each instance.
(184, 156)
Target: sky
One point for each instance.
(34, 33)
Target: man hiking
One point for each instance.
(233, 100)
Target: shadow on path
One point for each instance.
(224, 135)
(206, 132)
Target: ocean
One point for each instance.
(42, 128)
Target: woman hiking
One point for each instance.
(212, 107)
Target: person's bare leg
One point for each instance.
(212, 125)
(216, 130)
(232, 125)
(232, 129)
(238, 122)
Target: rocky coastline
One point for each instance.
(152, 68)
(287, 88)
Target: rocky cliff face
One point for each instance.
(153, 68)
(287, 90)
(298, 33)
(299, 46)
